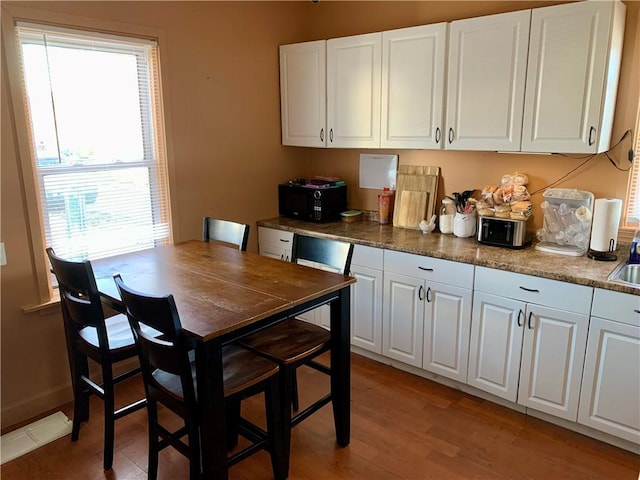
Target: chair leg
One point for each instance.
(232, 409)
(275, 413)
(80, 367)
(109, 419)
(286, 380)
(152, 416)
(193, 436)
(295, 401)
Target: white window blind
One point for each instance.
(95, 114)
(632, 214)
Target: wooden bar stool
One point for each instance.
(294, 342)
(168, 370)
(90, 335)
(225, 231)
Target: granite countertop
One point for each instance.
(580, 270)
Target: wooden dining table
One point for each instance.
(222, 294)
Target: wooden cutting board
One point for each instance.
(416, 190)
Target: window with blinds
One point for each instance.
(632, 214)
(94, 107)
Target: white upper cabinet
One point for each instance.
(353, 91)
(572, 77)
(303, 103)
(486, 79)
(413, 76)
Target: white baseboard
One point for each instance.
(25, 409)
(32, 407)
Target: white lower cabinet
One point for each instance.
(528, 338)
(366, 298)
(610, 396)
(426, 317)
(275, 243)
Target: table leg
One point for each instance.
(341, 365)
(213, 443)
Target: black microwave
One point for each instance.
(312, 201)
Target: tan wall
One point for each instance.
(221, 80)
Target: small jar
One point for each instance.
(447, 212)
(385, 205)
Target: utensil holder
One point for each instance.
(464, 225)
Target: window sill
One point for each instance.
(54, 302)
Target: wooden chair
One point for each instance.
(90, 335)
(294, 342)
(225, 231)
(168, 370)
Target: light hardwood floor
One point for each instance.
(402, 427)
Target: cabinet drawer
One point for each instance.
(367, 256)
(434, 269)
(617, 306)
(271, 236)
(552, 293)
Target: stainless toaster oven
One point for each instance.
(504, 232)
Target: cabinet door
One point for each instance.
(413, 68)
(366, 308)
(552, 361)
(403, 318)
(303, 94)
(487, 67)
(573, 60)
(353, 91)
(275, 243)
(496, 345)
(611, 383)
(446, 330)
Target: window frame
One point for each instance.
(11, 15)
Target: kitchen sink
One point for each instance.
(626, 273)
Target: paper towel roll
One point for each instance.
(606, 220)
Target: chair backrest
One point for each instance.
(332, 253)
(168, 352)
(225, 231)
(79, 296)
